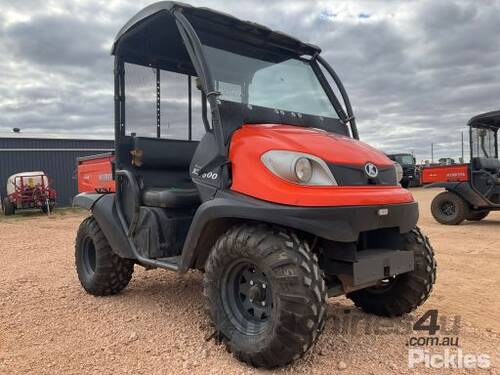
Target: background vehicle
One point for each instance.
(444, 173)
(472, 190)
(411, 176)
(279, 203)
(29, 190)
(95, 173)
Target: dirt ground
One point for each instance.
(49, 325)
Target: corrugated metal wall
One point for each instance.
(56, 157)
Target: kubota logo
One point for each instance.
(371, 170)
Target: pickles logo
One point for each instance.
(447, 359)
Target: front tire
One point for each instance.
(100, 271)
(477, 215)
(449, 209)
(8, 207)
(265, 294)
(403, 293)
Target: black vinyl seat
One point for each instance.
(170, 197)
(491, 164)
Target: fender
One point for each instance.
(86, 200)
(104, 210)
(341, 223)
(464, 190)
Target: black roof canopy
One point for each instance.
(152, 37)
(486, 120)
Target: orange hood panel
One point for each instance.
(330, 147)
(251, 177)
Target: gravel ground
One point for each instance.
(49, 325)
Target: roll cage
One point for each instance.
(170, 36)
(484, 166)
(480, 127)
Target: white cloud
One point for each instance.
(415, 71)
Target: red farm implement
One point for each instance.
(29, 190)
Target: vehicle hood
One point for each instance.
(330, 147)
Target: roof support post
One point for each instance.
(343, 93)
(195, 51)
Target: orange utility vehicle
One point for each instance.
(472, 190)
(279, 203)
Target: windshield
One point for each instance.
(270, 81)
(404, 159)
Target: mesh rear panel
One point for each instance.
(141, 104)
(140, 100)
(483, 143)
(174, 105)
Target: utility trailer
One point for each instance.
(29, 190)
(95, 173)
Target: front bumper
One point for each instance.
(342, 223)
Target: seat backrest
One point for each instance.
(158, 162)
(165, 154)
(491, 164)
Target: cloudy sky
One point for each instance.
(415, 71)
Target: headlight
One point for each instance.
(303, 169)
(399, 172)
(299, 168)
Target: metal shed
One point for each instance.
(56, 157)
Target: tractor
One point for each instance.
(278, 202)
(411, 175)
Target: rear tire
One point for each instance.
(271, 325)
(403, 293)
(477, 215)
(449, 209)
(405, 183)
(100, 271)
(8, 207)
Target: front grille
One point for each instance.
(354, 175)
(409, 171)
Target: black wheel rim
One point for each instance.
(247, 297)
(88, 256)
(448, 208)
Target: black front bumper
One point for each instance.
(343, 223)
